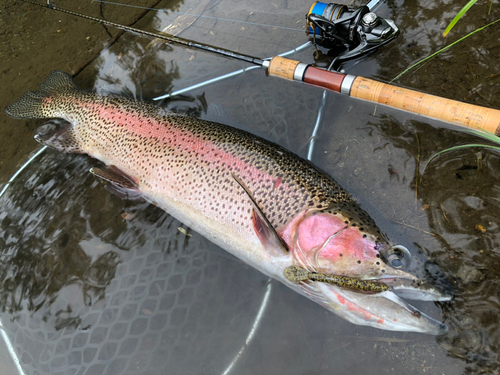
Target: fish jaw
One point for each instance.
(410, 288)
(381, 310)
(322, 241)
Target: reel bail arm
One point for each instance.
(359, 30)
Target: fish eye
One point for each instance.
(399, 257)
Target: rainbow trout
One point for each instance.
(255, 199)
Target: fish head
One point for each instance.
(345, 241)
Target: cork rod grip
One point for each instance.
(282, 67)
(452, 111)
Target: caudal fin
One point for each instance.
(31, 105)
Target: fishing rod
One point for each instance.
(337, 24)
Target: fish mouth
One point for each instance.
(410, 288)
(410, 281)
(381, 310)
(384, 310)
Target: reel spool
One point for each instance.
(358, 31)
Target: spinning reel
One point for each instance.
(350, 32)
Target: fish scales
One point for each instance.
(252, 197)
(192, 160)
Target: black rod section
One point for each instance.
(163, 36)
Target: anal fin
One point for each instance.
(120, 183)
(263, 228)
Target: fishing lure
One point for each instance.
(297, 274)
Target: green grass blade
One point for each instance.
(441, 50)
(458, 16)
(484, 134)
(454, 149)
(480, 133)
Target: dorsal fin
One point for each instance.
(263, 228)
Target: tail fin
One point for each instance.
(30, 105)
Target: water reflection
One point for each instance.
(43, 233)
(461, 203)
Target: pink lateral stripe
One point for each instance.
(180, 139)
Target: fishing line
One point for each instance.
(200, 15)
(232, 74)
(452, 111)
(157, 35)
(190, 88)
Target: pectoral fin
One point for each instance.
(263, 228)
(120, 183)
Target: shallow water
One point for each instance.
(91, 284)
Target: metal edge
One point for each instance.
(345, 87)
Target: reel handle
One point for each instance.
(452, 111)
